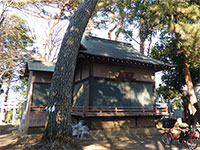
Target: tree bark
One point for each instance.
(6, 96)
(7, 89)
(59, 122)
(120, 29)
(111, 30)
(193, 103)
(141, 35)
(141, 30)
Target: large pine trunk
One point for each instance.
(59, 121)
(193, 103)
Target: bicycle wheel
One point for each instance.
(166, 139)
(192, 143)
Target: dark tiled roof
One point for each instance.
(114, 49)
(36, 65)
(99, 47)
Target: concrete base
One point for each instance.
(119, 122)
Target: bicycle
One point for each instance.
(188, 136)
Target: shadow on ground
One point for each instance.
(124, 139)
(128, 139)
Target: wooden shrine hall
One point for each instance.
(113, 84)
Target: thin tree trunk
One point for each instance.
(193, 103)
(120, 29)
(7, 89)
(141, 30)
(59, 122)
(141, 34)
(6, 96)
(111, 30)
(47, 54)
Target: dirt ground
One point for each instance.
(12, 139)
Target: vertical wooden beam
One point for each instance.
(154, 96)
(90, 82)
(115, 109)
(84, 110)
(24, 124)
(81, 70)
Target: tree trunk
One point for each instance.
(6, 96)
(111, 30)
(193, 103)
(120, 29)
(141, 35)
(59, 122)
(7, 89)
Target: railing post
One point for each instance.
(167, 109)
(115, 109)
(84, 110)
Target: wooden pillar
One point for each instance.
(90, 82)
(154, 96)
(24, 124)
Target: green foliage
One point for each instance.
(182, 20)
(21, 88)
(118, 14)
(15, 42)
(179, 24)
(19, 111)
(174, 79)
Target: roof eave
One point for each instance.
(156, 67)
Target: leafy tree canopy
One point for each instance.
(14, 40)
(179, 25)
(181, 20)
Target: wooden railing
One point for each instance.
(106, 111)
(38, 108)
(109, 110)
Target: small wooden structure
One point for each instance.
(113, 84)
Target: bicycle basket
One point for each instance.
(168, 123)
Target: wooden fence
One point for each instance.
(8, 106)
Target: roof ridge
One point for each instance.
(87, 37)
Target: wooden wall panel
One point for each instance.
(111, 71)
(42, 77)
